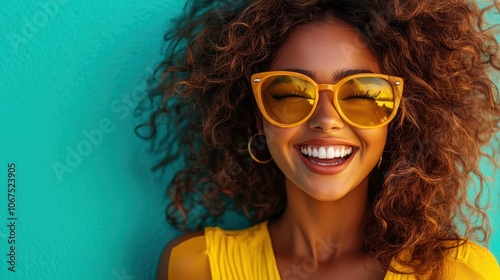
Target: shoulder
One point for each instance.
(184, 258)
(473, 261)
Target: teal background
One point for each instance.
(71, 74)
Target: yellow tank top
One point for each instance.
(248, 254)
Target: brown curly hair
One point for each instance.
(444, 50)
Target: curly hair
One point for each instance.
(445, 51)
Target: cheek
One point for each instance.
(273, 133)
(374, 138)
(278, 139)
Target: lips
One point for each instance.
(326, 157)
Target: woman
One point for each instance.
(348, 131)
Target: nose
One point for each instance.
(325, 116)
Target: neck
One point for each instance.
(323, 229)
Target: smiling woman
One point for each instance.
(371, 116)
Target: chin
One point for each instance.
(326, 193)
(326, 190)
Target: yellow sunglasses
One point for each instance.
(288, 99)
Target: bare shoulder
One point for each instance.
(184, 258)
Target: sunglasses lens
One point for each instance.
(287, 99)
(366, 101)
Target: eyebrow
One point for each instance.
(337, 75)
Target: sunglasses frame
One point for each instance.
(258, 79)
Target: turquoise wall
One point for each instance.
(86, 205)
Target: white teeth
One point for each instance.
(331, 152)
(325, 152)
(322, 152)
(315, 152)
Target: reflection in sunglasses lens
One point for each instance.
(366, 101)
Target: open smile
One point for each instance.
(326, 152)
(326, 159)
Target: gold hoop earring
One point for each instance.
(379, 163)
(250, 150)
